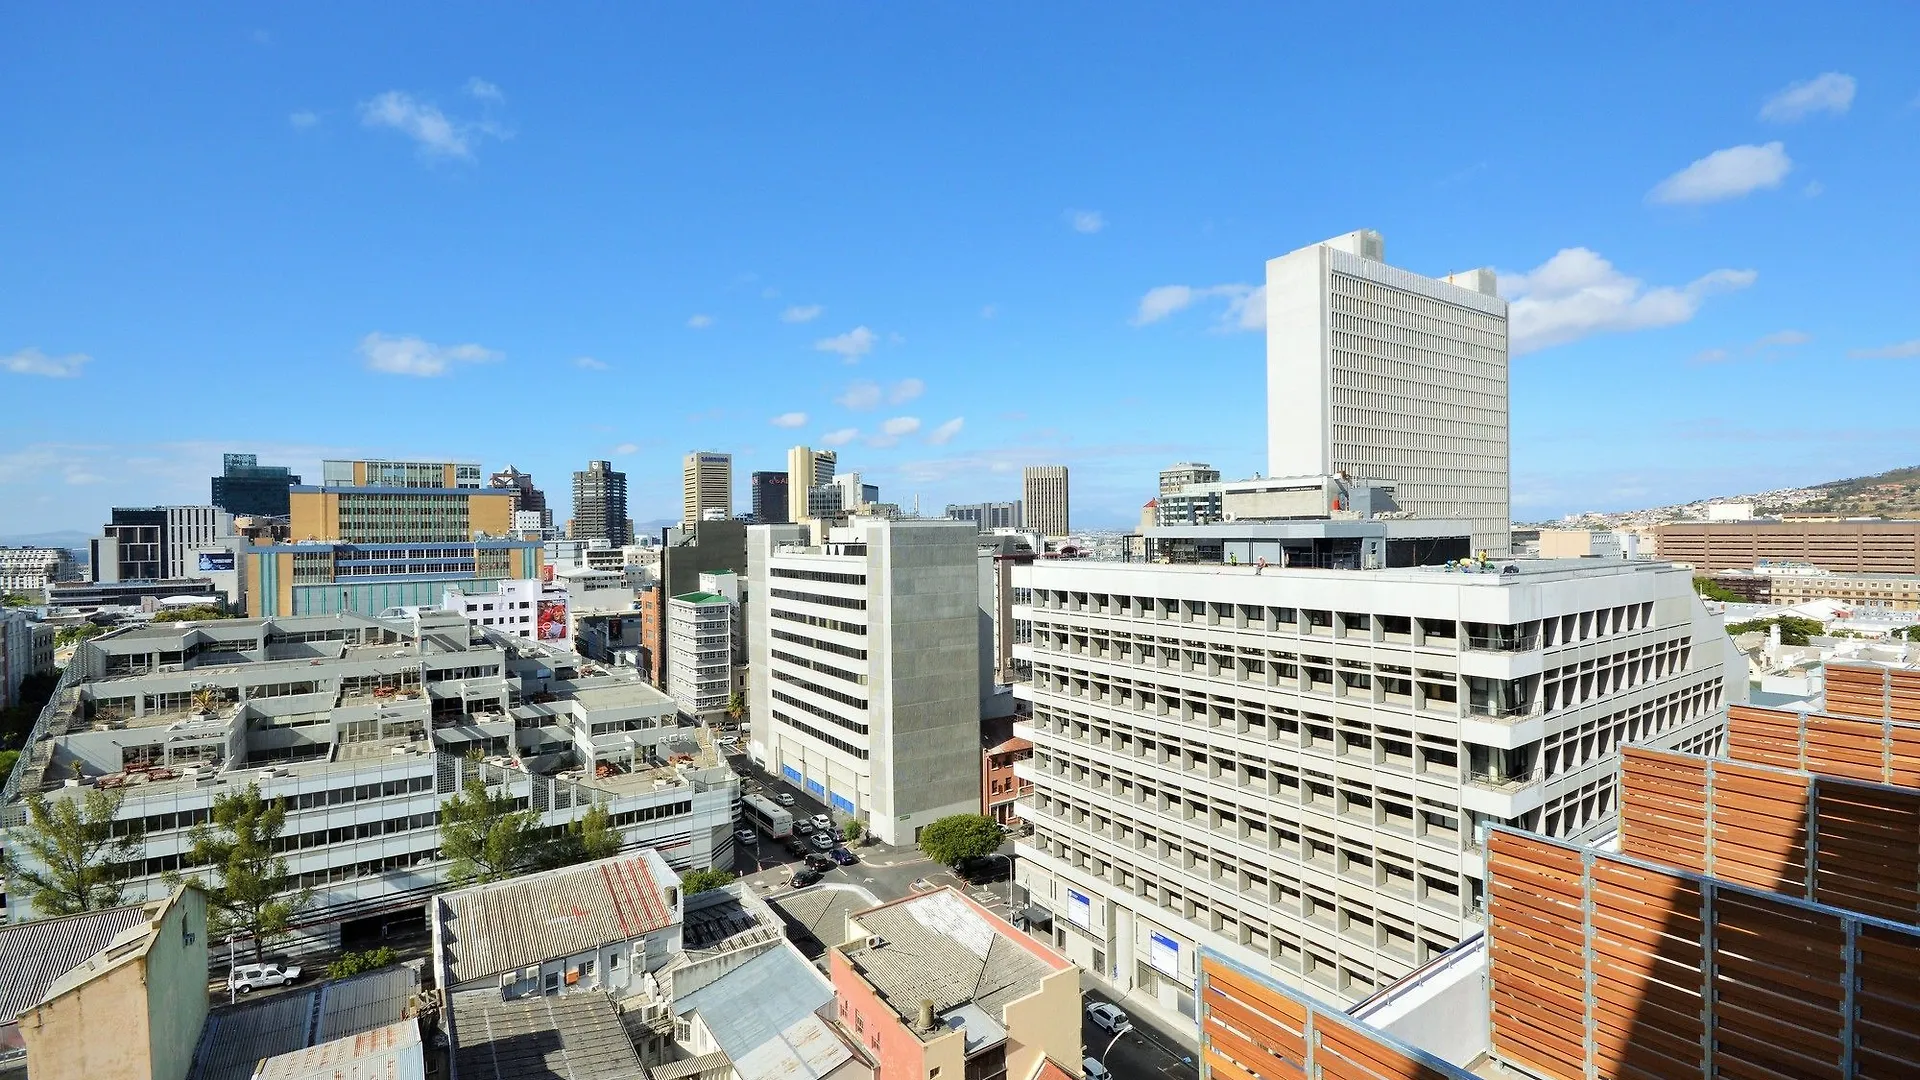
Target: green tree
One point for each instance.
(736, 706)
(487, 839)
(853, 830)
(8, 759)
(194, 613)
(694, 882)
(591, 837)
(17, 599)
(1794, 629)
(1713, 590)
(252, 892)
(955, 839)
(355, 963)
(1911, 633)
(76, 862)
(73, 635)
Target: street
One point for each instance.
(1146, 1051)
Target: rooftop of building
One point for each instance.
(939, 947)
(35, 955)
(237, 1038)
(1495, 573)
(562, 1037)
(507, 925)
(702, 598)
(765, 1014)
(392, 1052)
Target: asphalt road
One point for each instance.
(1146, 1051)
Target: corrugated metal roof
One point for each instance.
(513, 924)
(936, 947)
(565, 1037)
(234, 1040)
(392, 1052)
(764, 1014)
(34, 955)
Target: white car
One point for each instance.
(247, 976)
(822, 821)
(1094, 1070)
(785, 798)
(1109, 1018)
(746, 836)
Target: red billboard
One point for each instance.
(550, 620)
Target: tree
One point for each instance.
(73, 635)
(1712, 590)
(1794, 629)
(736, 707)
(252, 893)
(354, 963)
(1911, 633)
(487, 839)
(17, 599)
(694, 882)
(955, 839)
(193, 613)
(853, 830)
(77, 862)
(8, 759)
(592, 837)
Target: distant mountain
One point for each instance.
(1895, 493)
(1892, 494)
(71, 538)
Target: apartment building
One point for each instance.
(865, 659)
(1853, 547)
(707, 480)
(807, 469)
(600, 505)
(321, 577)
(1375, 372)
(703, 629)
(1045, 500)
(1291, 766)
(1186, 474)
(29, 570)
(1000, 783)
(364, 726)
(154, 543)
(26, 648)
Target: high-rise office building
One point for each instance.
(865, 667)
(246, 487)
(1045, 501)
(1382, 374)
(1186, 474)
(707, 480)
(988, 515)
(399, 502)
(522, 496)
(807, 469)
(152, 543)
(600, 504)
(771, 504)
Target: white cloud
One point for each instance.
(1901, 350)
(861, 394)
(851, 345)
(413, 356)
(1725, 174)
(1086, 221)
(1711, 356)
(989, 311)
(1761, 346)
(699, 322)
(1831, 92)
(901, 425)
(905, 390)
(589, 363)
(34, 362)
(1246, 304)
(944, 434)
(802, 313)
(484, 90)
(1813, 189)
(1577, 293)
(789, 420)
(627, 448)
(304, 118)
(840, 437)
(1783, 339)
(425, 124)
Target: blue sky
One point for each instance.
(933, 234)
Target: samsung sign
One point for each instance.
(216, 561)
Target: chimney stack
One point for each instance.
(926, 1014)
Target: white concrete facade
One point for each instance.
(1381, 373)
(864, 655)
(511, 610)
(700, 632)
(29, 570)
(1290, 766)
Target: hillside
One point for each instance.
(1894, 494)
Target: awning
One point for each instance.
(1037, 916)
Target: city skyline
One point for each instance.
(911, 309)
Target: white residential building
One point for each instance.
(865, 655)
(512, 609)
(26, 648)
(1379, 373)
(1290, 765)
(29, 570)
(703, 629)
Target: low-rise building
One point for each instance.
(26, 648)
(37, 954)
(29, 570)
(704, 641)
(322, 577)
(364, 726)
(1871, 547)
(91, 596)
(318, 1026)
(937, 986)
(1000, 783)
(769, 1018)
(512, 608)
(1864, 593)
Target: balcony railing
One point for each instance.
(1526, 642)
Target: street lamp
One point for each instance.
(233, 991)
(1109, 1049)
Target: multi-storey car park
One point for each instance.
(364, 726)
(1291, 766)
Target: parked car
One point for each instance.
(843, 857)
(805, 877)
(821, 821)
(746, 836)
(1109, 1018)
(1094, 1070)
(247, 976)
(821, 841)
(802, 827)
(785, 798)
(817, 861)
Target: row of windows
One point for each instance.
(844, 699)
(822, 623)
(818, 575)
(816, 643)
(821, 598)
(815, 733)
(831, 717)
(821, 666)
